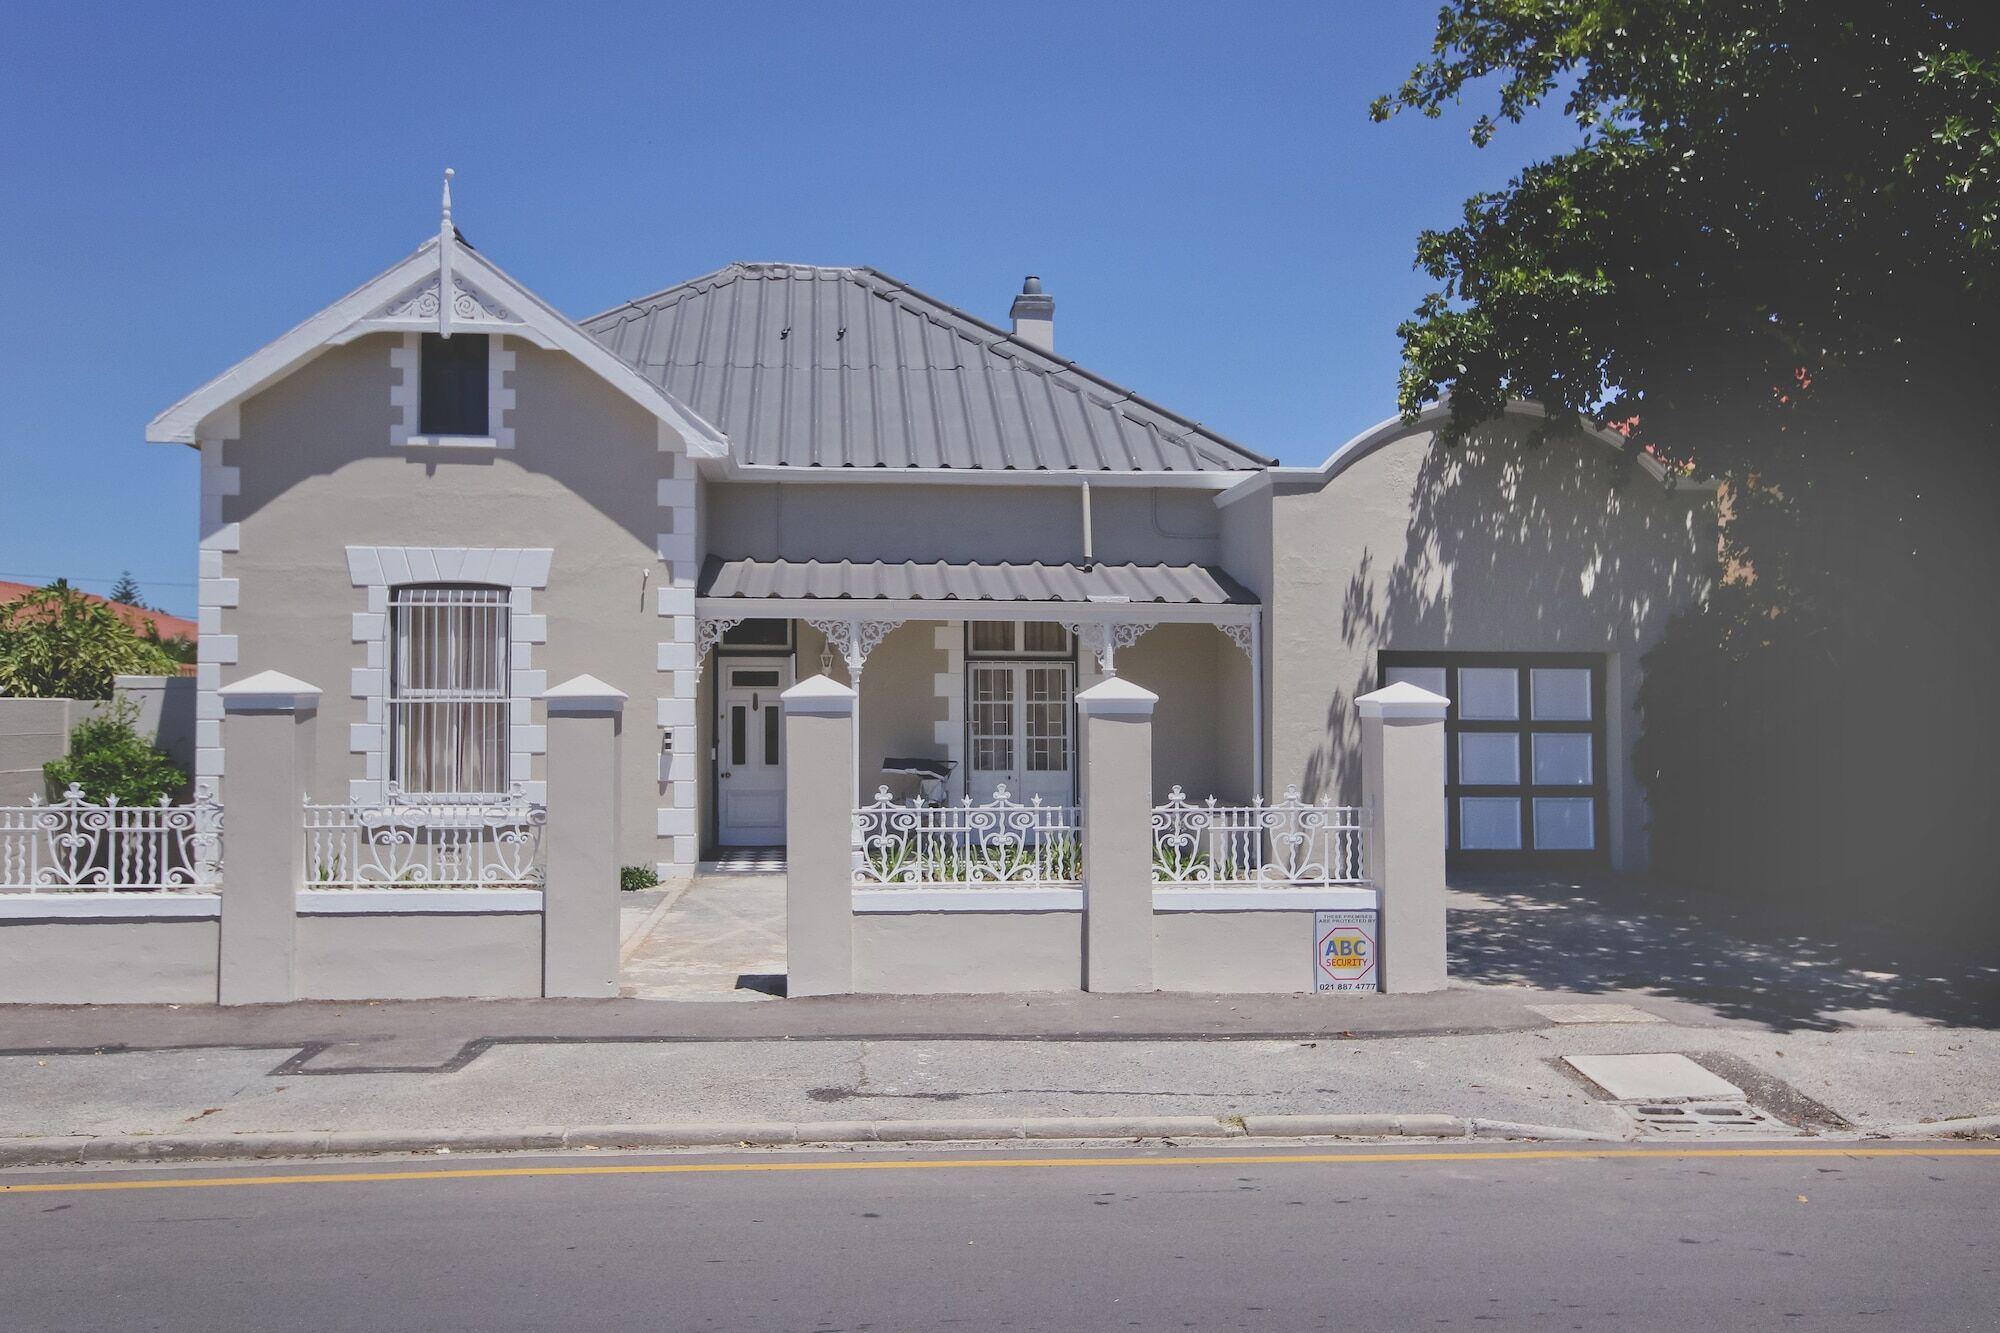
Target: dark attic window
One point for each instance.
(452, 396)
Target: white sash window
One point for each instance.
(448, 707)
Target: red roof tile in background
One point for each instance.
(170, 627)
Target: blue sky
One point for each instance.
(1222, 227)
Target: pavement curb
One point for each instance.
(83, 1148)
(1972, 1126)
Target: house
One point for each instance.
(439, 494)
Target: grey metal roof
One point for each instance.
(1194, 585)
(846, 367)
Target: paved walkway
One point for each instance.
(723, 938)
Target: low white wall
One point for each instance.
(419, 956)
(967, 953)
(71, 959)
(1233, 953)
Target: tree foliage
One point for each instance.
(55, 643)
(1772, 257)
(126, 590)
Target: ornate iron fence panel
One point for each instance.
(78, 846)
(432, 845)
(966, 846)
(1290, 843)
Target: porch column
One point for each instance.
(1117, 758)
(1402, 781)
(269, 724)
(855, 639)
(819, 831)
(580, 885)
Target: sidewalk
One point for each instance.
(1826, 1035)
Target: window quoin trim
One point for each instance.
(406, 362)
(522, 571)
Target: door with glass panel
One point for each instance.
(1524, 752)
(750, 752)
(1021, 736)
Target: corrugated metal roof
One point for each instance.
(1195, 585)
(846, 367)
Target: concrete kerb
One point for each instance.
(1970, 1127)
(83, 1149)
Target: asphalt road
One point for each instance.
(1347, 1238)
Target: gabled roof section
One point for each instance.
(848, 368)
(408, 297)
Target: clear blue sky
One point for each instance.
(1198, 185)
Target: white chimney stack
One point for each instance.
(1034, 315)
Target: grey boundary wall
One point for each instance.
(35, 731)
(267, 937)
(1119, 933)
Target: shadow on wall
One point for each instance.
(1489, 546)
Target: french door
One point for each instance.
(1021, 734)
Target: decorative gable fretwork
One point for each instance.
(470, 307)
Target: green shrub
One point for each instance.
(633, 878)
(108, 758)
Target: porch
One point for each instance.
(967, 676)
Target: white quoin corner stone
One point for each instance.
(1403, 700)
(819, 694)
(1117, 697)
(584, 694)
(268, 691)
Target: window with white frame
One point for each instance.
(447, 703)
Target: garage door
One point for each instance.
(1525, 758)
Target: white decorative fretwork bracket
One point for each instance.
(707, 633)
(1105, 638)
(854, 640)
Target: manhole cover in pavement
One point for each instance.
(1594, 1013)
(1686, 1119)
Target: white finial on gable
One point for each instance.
(447, 243)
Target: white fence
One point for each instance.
(74, 845)
(398, 844)
(966, 846)
(1292, 842)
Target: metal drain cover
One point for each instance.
(1673, 1120)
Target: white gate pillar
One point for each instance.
(1402, 782)
(268, 728)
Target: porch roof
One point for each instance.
(739, 581)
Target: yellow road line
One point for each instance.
(974, 1163)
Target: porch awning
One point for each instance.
(881, 581)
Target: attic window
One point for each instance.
(452, 390)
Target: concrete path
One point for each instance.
(721, 939)
(1103, 1239)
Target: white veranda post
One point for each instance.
(854, 639)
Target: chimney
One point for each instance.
(1034, 315)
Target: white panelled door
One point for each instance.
(750, 752)
(1021, 733)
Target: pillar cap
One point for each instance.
(1117, 697)
(268, 692)
(820, 695)
(584, 694)
(1403, 700)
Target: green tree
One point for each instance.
(1772, 256)
(126, 590)
(56, 643)
(108, 757)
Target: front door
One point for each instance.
(1021, 736)
(750, 752)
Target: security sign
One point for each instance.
(1344, 951)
